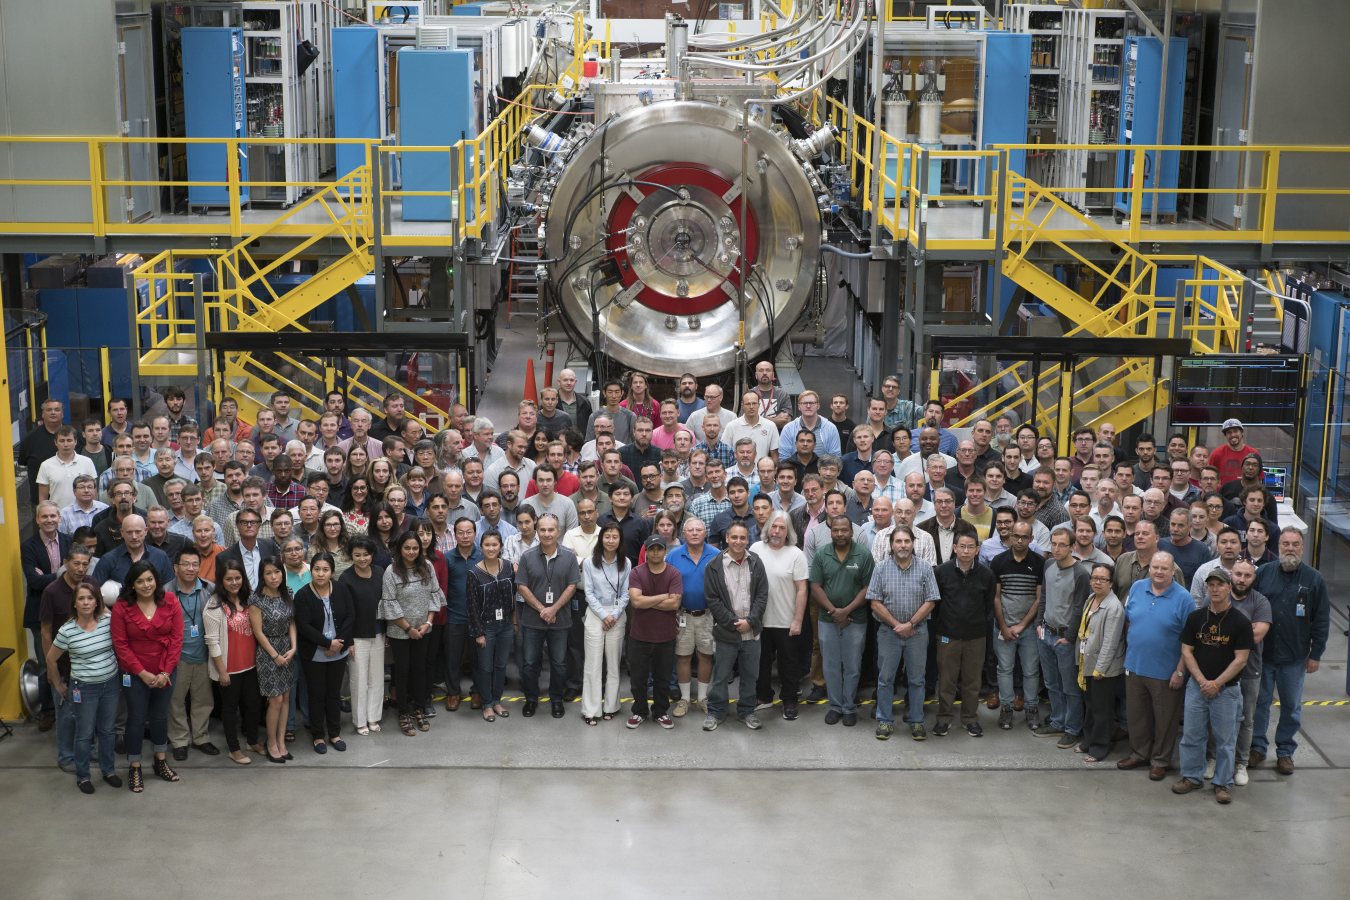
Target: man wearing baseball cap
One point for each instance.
(655, 589)
(1228, 458)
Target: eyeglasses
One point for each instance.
(1100, 578)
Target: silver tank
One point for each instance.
(677, 248)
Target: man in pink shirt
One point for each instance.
(664, 437)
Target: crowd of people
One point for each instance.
(276, 573)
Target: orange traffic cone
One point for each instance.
(530, 392)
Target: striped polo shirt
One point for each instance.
(91, 652)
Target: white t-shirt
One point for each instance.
(784, 568)
(695, 422)
(918, 463)
(59, 477)
(764, 433)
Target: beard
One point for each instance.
(1289, 561)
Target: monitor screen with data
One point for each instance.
(1255, 389)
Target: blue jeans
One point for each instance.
(1023, 647)
(725, 656)
(96, 711)
(841, 658)
(492, 661)
(65, 727)
(299, 696)
(535, 639)
(892, 650)
(1059, 665)
(1288, 678)
(1203, 714)
(147, 705)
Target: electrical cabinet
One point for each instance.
(1089, 103)
(213, 96)
(1005, 84)
(439, 85)
(356, 93)
(1139, 120)
(1045, 26)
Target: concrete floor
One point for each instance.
(542, 808)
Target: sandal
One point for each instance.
(362, 730)
(422, 723)
(609, 716)
(590, 720)
(134, 780)
(374, 726)
(290, 736)
(163, 771)
(488, 716)
(405, 725)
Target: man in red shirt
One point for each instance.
(1228, 458)
(654, 590)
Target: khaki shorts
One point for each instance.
(697, 634)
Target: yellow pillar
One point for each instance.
(1064, 423)
(12, 591)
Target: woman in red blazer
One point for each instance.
(147, 631)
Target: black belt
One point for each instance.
(1057, 632)
(693, 612)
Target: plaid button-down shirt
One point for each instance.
(288, 499)
(721, 451)
(903, 591)
(706, 508)
(72, 517)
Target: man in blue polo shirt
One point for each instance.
(1155, 674)
(696, 625)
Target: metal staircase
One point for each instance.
(523, 296)
(236, 296)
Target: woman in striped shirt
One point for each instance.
(491, 591)
(94, 685)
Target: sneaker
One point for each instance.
(1033, 719)
(884, 731)
(430, 711)
(974, 729)
(817, 694)
(917, 732)
(941, 729)
(1185, 786)
(1069, 741)
(1209, 769)
(1049, 729)
(635, 720)
(763, 704)
(752, 722)
(1222, 795)
(790, 711)
(665, 722)
(681, 707)
(700, 705)
(1005, 718)
(711, 722)
(1240, 776)
(833, 716)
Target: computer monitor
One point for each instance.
(1276, 477)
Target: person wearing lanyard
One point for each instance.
(604, 576)
(324, 620)
(192, 682)
(409, 600)
(547, 577)
(1101, 663)
(490, 591)
(234, 664)
(94, 685)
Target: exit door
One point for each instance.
(138, 158)
(1230, 122)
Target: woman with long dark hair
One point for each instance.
(362, 584)
(383, 530)
(426, 533)
(604, 575)
(94, 682)
(539, 441)
(491, 593)
(147, 632)
(356, 505)
(232, 651)
(324, 620)
(409, 600)
(332, 539)
(272, 614)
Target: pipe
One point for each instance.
(813, 338)
(844, 253)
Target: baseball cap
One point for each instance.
(1218, 574)
(656, 541)
(1231, 423)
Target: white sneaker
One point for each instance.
(759, 706)
(1209, 770)
(681, 707)
(1240, 776)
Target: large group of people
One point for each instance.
(297, 572)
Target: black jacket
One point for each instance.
(719, 599)
(38, 572)
(266, 547)
(172, 544)
(309, 619)
(961, 526)
(967, 600)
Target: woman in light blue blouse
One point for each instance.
(604, 576)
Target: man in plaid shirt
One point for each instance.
(713, 443)
(709, 504)
(282, 491)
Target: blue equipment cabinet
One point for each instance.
(1139, 120)
(213, 101)
(436, 109)
(356, 93)
(1005, 85)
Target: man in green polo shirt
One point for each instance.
(840, 574)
